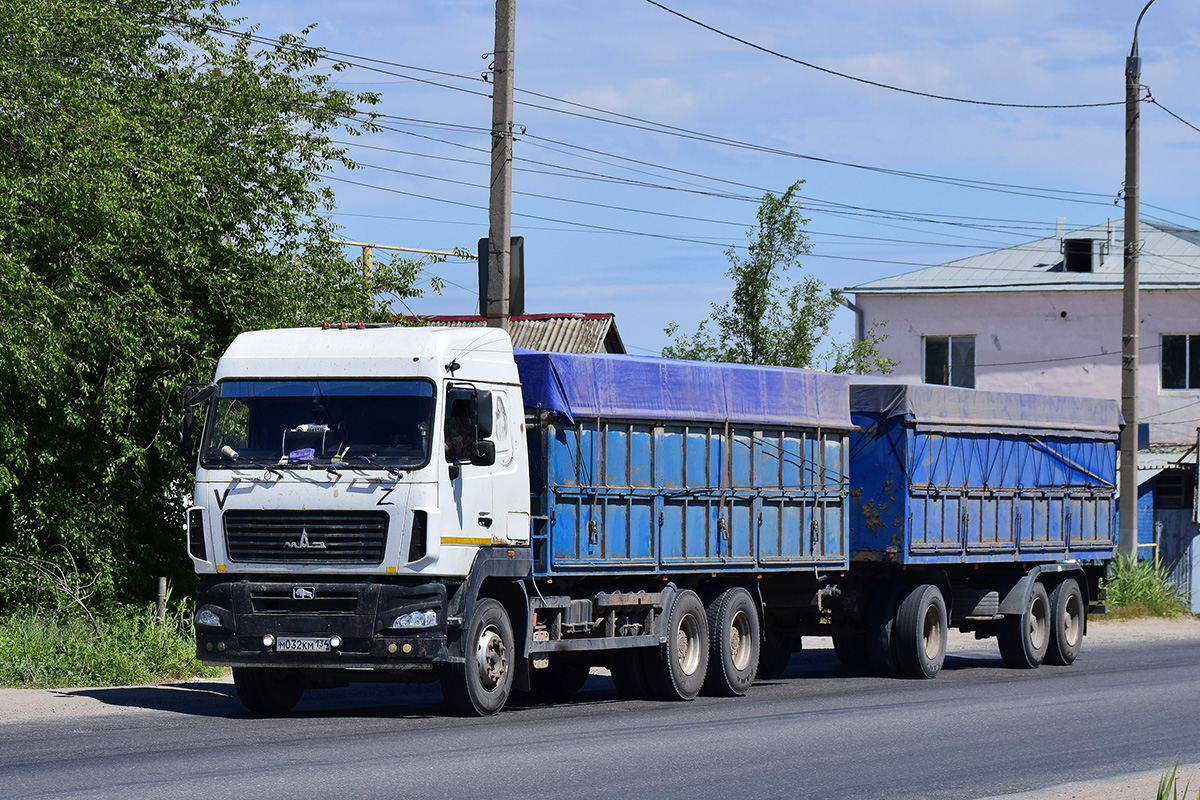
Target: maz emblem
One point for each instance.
(304, 543)
(303, 592)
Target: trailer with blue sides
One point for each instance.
(384, 503)
(716, 492)
(990, 511)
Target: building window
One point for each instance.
(1175, 488)
(1181, 361)
(950, 360)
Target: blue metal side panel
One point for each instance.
(881, 512)
(621, 496)
(940, 496)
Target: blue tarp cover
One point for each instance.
(660, 389)
(950, 408)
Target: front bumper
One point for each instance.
(359, 613)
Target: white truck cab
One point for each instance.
(349, 480)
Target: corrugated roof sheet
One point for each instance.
(1169, 258)
(559, 333)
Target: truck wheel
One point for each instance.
(1025, 637)
(881, 620)
(629, 674)
(920, 632)
(775, 653)
(677, 668)
(267, 690)
(1067, 617)
(481, 686)
(733, 634)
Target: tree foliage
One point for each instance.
(159, 193)
(769, 319)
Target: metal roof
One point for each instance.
(559, 333)
(1169, 259)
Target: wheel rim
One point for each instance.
(1039, 627)
(741, 645)
(931, 632)
(687, 644)
(491, 657)
(1072, 622)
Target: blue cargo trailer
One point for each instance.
(647, 465)
(997, 508)
(728, 482)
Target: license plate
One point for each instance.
(297, 644)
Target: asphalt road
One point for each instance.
(819, 732)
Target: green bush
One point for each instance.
(118, 646)
(1140, 589)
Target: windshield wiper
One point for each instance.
(265, 466)
(376, 464)
(246, 463)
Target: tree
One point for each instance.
(768, 319)
(159, 193)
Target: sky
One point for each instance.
(645, 141)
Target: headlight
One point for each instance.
(207, 618)
(416, 619)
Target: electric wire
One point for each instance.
(828, 71)
(642, 124)
(1154, 101)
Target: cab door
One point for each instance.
(470, 513)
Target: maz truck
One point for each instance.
(381, 503)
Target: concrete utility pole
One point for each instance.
(1130, 311)
(500, 201)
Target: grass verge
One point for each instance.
(1140, 589)
(42, 650)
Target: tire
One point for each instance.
(920, 632)
(775, 653)
(267, 690)
(734, 636)
(629, 674)
(881, 620)
(1024, 638)
(480, 687)
(1068, 616)
(676, 669)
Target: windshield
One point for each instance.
(359, 423)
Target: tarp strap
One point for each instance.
(1047, 448)
(726, 466)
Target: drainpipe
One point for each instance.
(860, 330)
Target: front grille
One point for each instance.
(314, 600)
(306, 537)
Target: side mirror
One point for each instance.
(186, 448)
(483, 453)
(193, 395)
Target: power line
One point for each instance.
(642, 124)
(876, 83)
(1152, 100)
(1015, 189)
(685, 217)
(812, 204)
